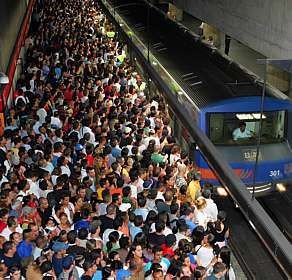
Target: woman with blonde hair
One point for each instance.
(201, 217)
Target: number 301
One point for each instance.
(274, 173)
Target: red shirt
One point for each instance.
(90, 159)
(167, 252)
(68, 94)
(2, 226)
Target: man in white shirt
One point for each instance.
(211, 208)
(242, 132)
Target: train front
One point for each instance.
(257, 146)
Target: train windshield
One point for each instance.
(243, 128)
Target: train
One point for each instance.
(222, 122)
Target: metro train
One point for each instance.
(221, 120)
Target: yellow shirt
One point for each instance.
(99, 193)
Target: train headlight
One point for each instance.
(280, 187)
(221, 191)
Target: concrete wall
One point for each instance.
(263, 25)
(11, 16)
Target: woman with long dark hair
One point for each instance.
(220, 229)
(224, 257)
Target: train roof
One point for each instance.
(248, 104)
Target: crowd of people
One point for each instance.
(93, 182)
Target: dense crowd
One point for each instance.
(93, 182)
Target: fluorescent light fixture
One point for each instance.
(257, 116)
(252, 116)
(4, 80)
(244, 116)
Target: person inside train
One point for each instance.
(242, 132)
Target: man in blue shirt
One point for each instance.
(59, 249)
(25, 247)
(138, 223)
(189, 218)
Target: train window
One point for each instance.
(243, 128)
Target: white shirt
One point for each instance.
(204, 254)
(106, 234)
(238, 134)
(134, 191)
(201, 219)
(37, 252)
(56, 122)
(42, 113)
(211, 210)
(36, 127)
(34, 188)
(66, 170)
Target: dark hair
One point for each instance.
(224, 254)
(126, 191)
(46, 266)
(141, 201)
(11, 221)
(71, 236)
(82, 233)
(113, 238)
(8, 245)
(138, 221)
(124, 242)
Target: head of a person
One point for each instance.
(157, 254)
(15, 237)
(89, 267)
(12, 222)
(27, 235)
(157, 274)
(242, 126)
(9, 248)
(219, 269)
(111, 210)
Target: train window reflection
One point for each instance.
(243, 128)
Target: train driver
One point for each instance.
(242, 132)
